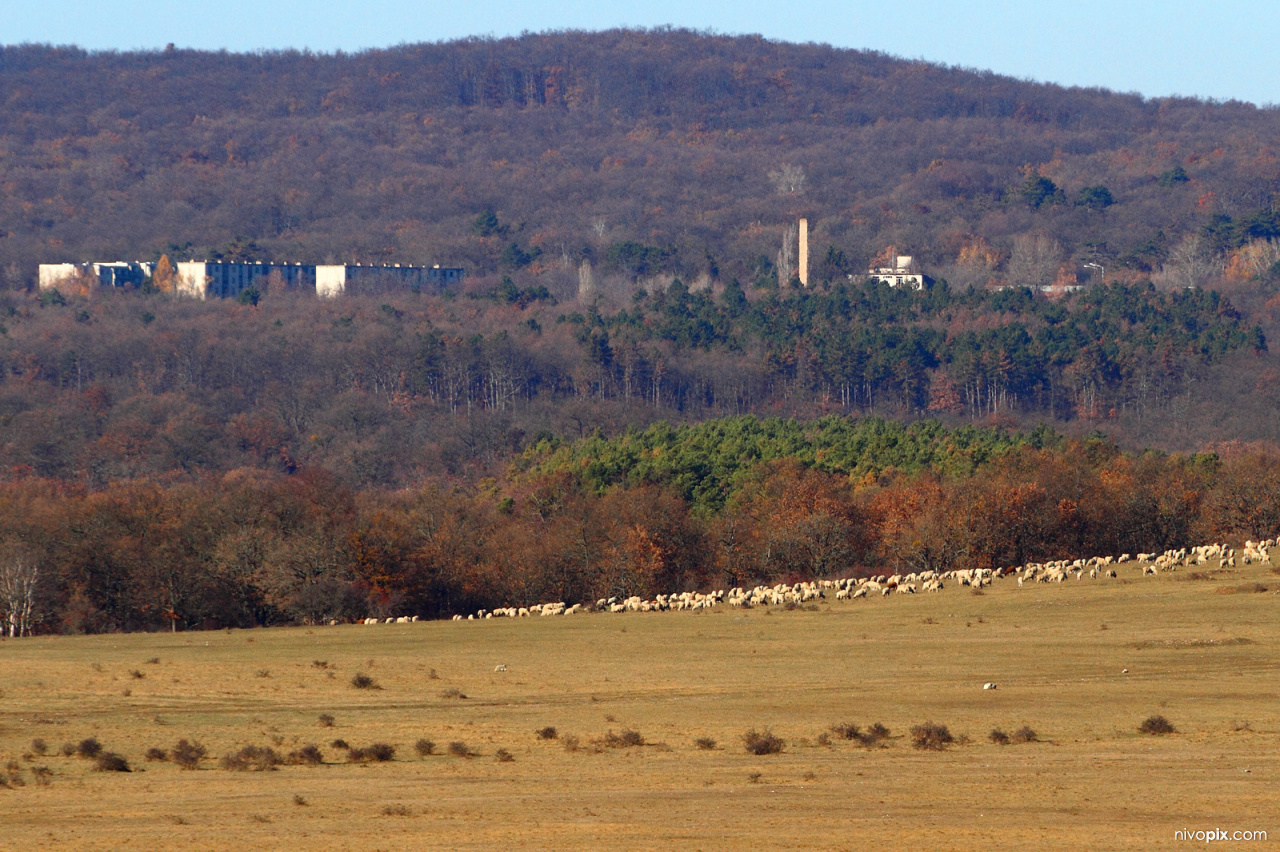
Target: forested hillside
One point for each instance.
(630, 393)
(643, 152)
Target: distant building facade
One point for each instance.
(905, 273)
(202, 279)
(334, 280)
(108, 274)
(228, 279)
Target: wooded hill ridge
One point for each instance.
(642, 152)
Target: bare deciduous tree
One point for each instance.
(788, 179)
(1189, 265)
(1034, 262)
(787, 254)
(19, 580)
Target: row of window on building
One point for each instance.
(228, 279)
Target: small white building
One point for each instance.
(905, 273)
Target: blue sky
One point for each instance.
(1225, 50)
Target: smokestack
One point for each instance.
(804, 253)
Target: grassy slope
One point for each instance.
(1093, 783)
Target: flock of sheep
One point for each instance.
(852, 588)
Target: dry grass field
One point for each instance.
(1205, 653)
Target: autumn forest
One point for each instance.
(630, 392)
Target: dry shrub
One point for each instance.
(998, 737)
(846, 731)
(424, 747)
(503, 756)
(362, 681)
(188, 754)
(308, 755)
(109, 761)
(320, 664)
(68, 749)
(89, 747)
(757, 742)
(136, 675)
(1025, 735)
(396, 810)
(458, 748)
(39, 746)
(42, 775)
(931, 736)
(874, 736)
(326, 720)
(300, 800)
(339, 744)
(156, 755)
(1156, 726)
(571, 743)
(625, 739)
(452, 692)
(252, 759)
(547, 733)
(705, 743)
(375, 753)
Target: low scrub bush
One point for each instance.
(396, 810)
(308, 755)
(42, 775)
(547, 733)
(375, 753)
(875, 735)
(846, 731)
(452, 692)
(931, 736)
(339, 744)
(571, 743)
(326, 720)
(757, 742)
(109, 761)
(89, 747)
(998, 737)
(704, 743)
(460, 749)
(156, 755)
(39, 746)
(503, 756)
(362, 681)
(1025, 735)
(625, 739)
(188, 754)
(424, 747)
(252, 759)
(12, 776)
(1156, 726)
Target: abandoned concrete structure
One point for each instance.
(202, 279)
(905, 273)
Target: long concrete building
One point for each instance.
(118, 273)
(202, 279)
